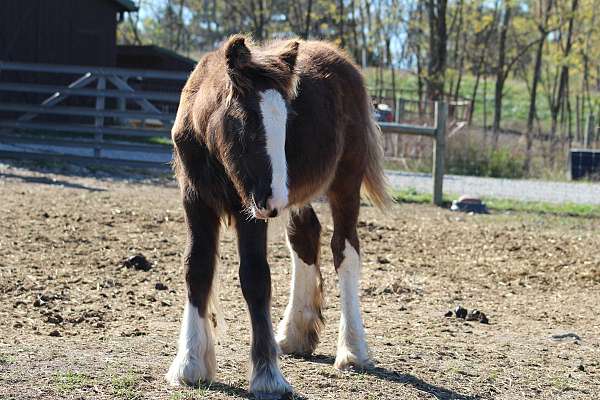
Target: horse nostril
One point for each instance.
(273, 213)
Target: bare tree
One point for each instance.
(438, 48)
(542, 27)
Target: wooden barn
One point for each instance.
(71, 32)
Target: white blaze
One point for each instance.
(274, 114)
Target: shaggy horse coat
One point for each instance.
(260, 130)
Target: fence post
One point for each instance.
(99, 122)
(589, 131)
(439, 150)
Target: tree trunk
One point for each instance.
(438, 39)
(341, 25)
(559, 102)
(537, 74)
(500, 76)
(354, 32)
(306, 34)
(474, 95)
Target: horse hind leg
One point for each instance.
(299, 330)
(352, 350)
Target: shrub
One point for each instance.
(468, 154)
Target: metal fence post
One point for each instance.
(99, 122)
(439, 150)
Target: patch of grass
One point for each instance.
(6, 359)
(566, 209)
(191, 394)
(410, 195)
(126, 386)
(562, 384)
(70, 381)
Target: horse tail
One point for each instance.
(375, 182)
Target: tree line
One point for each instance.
(551, 46)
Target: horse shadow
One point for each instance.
(235, 391)
(51, 182)
(380, 373)
(392, 376)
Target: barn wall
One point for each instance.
(59, 31)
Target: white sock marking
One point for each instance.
(195, 358)
(300, 314)
(352, 346)
(274, 115)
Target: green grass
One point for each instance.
(126, 386)
(67, 382)
(191, 394)
(503, 205)
(6, 359)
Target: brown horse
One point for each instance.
(260, 130)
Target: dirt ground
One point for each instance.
(76, 324)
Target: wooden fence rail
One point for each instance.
(117, 107)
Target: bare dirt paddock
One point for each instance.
(76, 324)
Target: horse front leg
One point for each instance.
(266, 379)
(195, 360)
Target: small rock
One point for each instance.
(46, 215)
(137, 262)
(161, 286)
(54, 319)
(55, 333)
(40, 301)
(565, 336)
(18, 325)
(151, 298)
(460, 312)
(473, 315)
(135, 332)
(581, 368)
(382, 260)
(448, 314)
(483, 318)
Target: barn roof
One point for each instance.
(126, 5)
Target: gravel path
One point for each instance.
(517, 189)
(524, 190)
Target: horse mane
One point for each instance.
(258, 68)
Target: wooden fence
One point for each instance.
(101, 108)
(438, 134)
(129, 123)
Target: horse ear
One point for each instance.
(290, 53)
(237, 53)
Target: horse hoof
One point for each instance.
(347, 361)
(272, 396)
(268, 383)
(188, 372)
